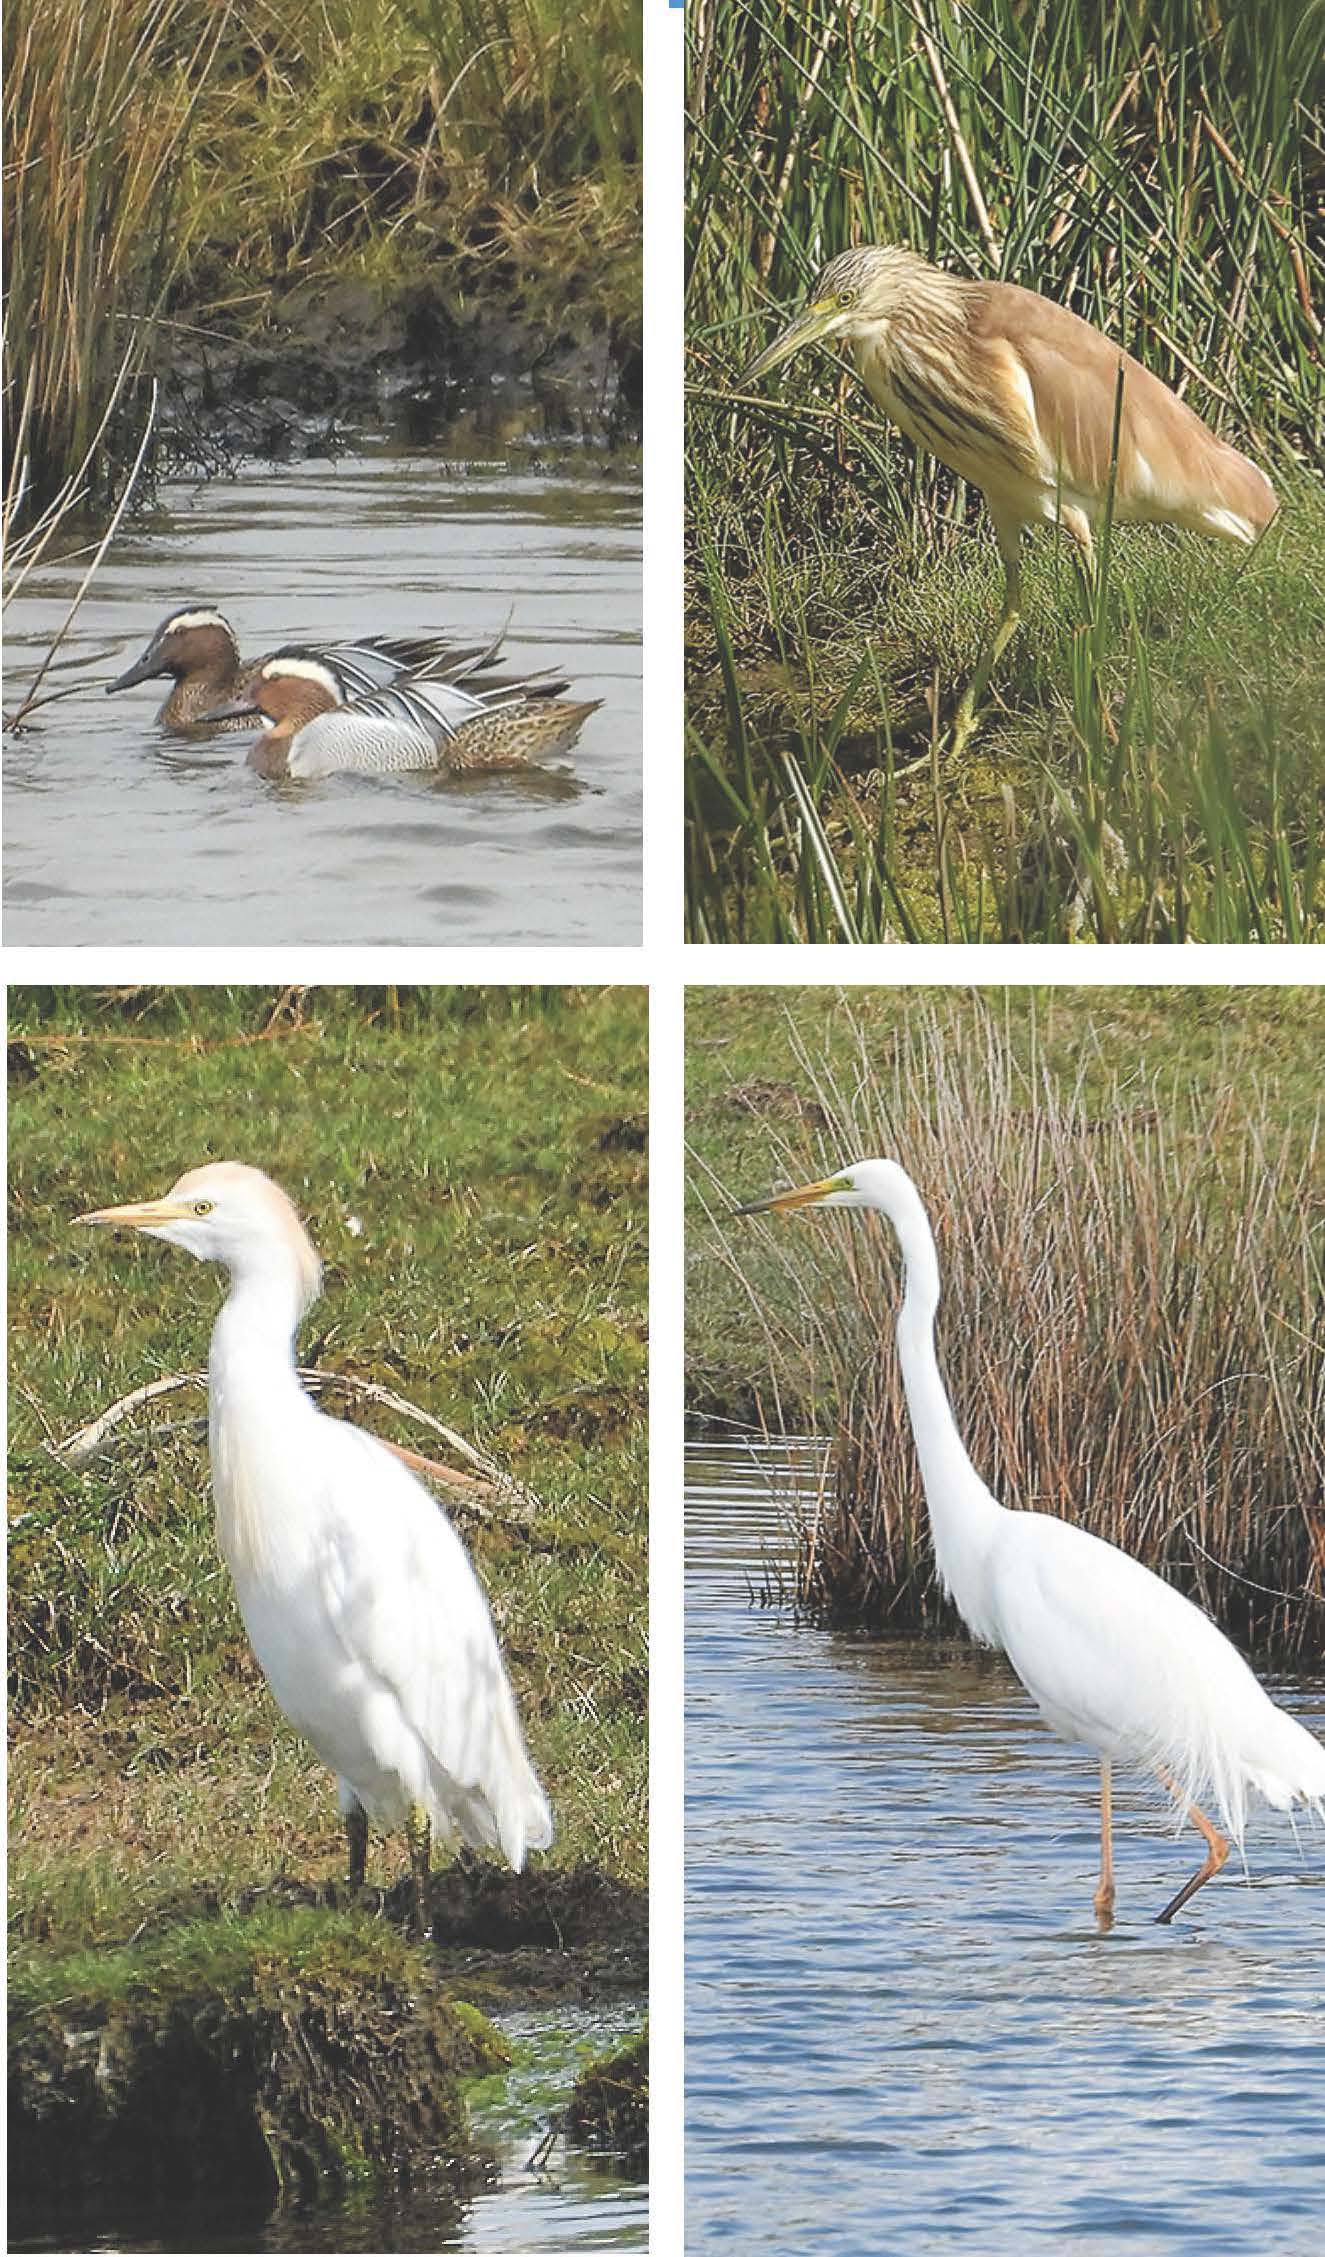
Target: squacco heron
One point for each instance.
(1019, 396)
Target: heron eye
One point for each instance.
(203, 1206)
(847, 297)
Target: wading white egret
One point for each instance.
(1113, 1658)
(365, 1614)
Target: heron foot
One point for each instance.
(965, 722)
(966, 719)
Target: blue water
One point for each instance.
(904, 2034)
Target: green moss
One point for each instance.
(489, 2050)
(609, 2108)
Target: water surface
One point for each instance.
(116, 833)
(904, 2034)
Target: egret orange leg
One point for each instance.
(1216, 1857)
(1104, 1893)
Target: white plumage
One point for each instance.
(1112, 1657)
(364, 1612)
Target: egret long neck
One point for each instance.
(258, 1414)
(963, 1516)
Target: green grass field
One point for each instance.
(471, 1165)
(1152, 763)
(1125, 1189)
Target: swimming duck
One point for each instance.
(198, 647)
(423, 720)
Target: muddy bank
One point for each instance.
(502, 1939)
(288, 2057)
(297, 2051)
(537, 1937)
(609, 2108)
(334, 360)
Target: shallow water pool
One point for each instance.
(904, 2034)
(117, 834)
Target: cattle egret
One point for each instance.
(1019, 396)
(365, 1614)
(1113, 1658)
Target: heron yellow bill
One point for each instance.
(811, 326)
(808, 1195)
(143, 1214)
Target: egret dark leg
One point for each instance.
(356, 1834)
(418, 1833)
(1104, 1893)
(1008, 533)
(1216, 1857)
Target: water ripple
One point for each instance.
(904, 2034)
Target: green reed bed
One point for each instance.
(170, 165)
(1125, 1192)
(1156, 170)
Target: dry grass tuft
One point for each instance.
(1129, 1331)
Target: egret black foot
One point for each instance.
(356, 1835)
(419, 1834)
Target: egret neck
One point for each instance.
(963, 1516)
(257, 1410)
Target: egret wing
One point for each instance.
(1123, 1663)
(415, 1630)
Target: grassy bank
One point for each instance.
(471, 1166)
(179, 173)
(293, 2056)
(1154, 170)
(1125, 1190)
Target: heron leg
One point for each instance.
(1008, 533)
(1076, 522)
(418, 1833)
(356, 1834)
(1104, 1893)
(1216, 1856)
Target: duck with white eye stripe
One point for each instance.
(196, 649)
(424, 720)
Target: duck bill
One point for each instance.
(785, 1202)
(819, 321)
(141, 670)
(144, 1214)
